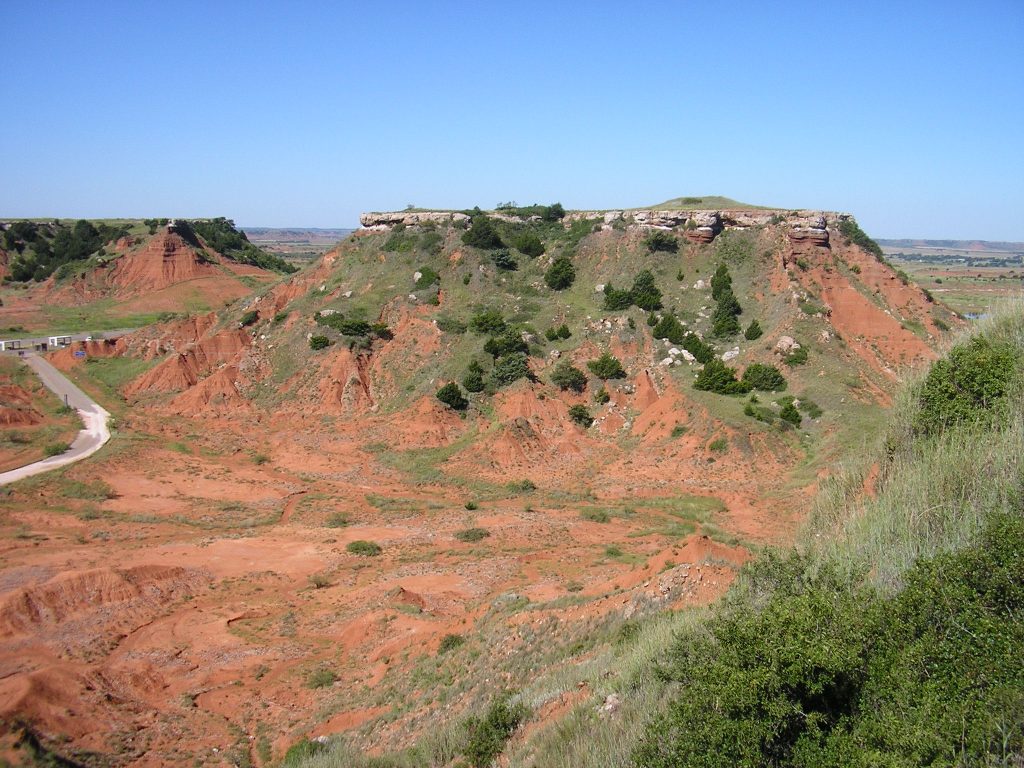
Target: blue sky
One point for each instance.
(908, 114)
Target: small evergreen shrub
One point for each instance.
(601, 396)
(510, 368)
(505, 343)
(607, 367)
(580, 415)
(504, 260)
(645, 293)
(616, 299)
(791, 414)
(249, 318)
(487, 321)
(717, 377)
(766, 378)
(702, 351)
(452, 396)
(721, 282)
(668, 327)
(753, 331)
(560, 275)
(474, 380)
(567, 376)
(319, 342)
(482, 234)
(551, 334)
(427, 278)
(529, 244)
(661, 241)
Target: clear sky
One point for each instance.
(908, 114)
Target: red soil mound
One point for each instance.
(16, 407)
(184, 370)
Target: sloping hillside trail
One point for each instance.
(93, 436)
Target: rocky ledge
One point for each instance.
(804, 227)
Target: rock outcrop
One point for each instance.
(805, 228)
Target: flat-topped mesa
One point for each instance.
(804, 227)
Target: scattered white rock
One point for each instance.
(786, 344)
(323, 287)
(416, 276)
(666, 361)
(598, 288)
(611, 704)
(699, 285)
(687, 356)
(328, 312)
(412, 297)
(674, 351)
(731, 354)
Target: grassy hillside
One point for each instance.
(890, 635)
(707, 203)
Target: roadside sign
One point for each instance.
(79, 353)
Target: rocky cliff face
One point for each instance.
(805, 228)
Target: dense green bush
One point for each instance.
(249, 318)
(753, 331)
(529, 244)
(645, 293)
(724, 322)
(504, 260)
(487, 321)
(661, 241)
(766, 378)
(474, 380)
(505, 343)
(701, 350)
(970, 385)
(616, 299)
(482, 234)
(319, 342)
(510, 368)
(548, 213)
(487, 735)
(364, 548)
(564, 332)
(428, 276)
(601, 396)
(827, 673)
(721, 282)
(560, 275)
(717, 377)
(607, 367)
(580, 415)
(452, 396)
(668, 327)
(790, 413)
(567, 376)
